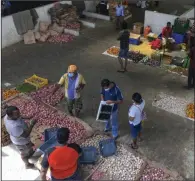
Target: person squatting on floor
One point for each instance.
(63, 159)
(124, 47)
(191, 69)
(135, 118)
(74, 83)
(19, 133)
(112, 95)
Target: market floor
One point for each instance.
(169, 139)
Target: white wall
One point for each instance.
(157, 20)
(8, 30)
(189, 14)
(90, 6)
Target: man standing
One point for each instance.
(124, 47)
(112, 95)
(19, 133)
(191, 69)
(119, 15)
(74, 84)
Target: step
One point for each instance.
(88, 22)
(96, 15)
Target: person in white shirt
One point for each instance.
(135, 118)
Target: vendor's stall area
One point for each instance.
(63, 17)
(183, 107)
(124, 165)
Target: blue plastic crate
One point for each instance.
(49, 133)
(134, 41)
(52, 142)
(178, 38)
(89, 155)
(107, 147)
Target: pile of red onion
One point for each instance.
(74, 25)
(152, 174)
(63, 38)
(47, 116)
(98, 175)
(46, 95)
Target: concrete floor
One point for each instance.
(169, 139)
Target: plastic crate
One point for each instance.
(49, 133)
(107, 147)
(89, 155)
(36, 81)
(178, 38)
(134, 41)
(48, 144)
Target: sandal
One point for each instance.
(121, 71)
(133, 146)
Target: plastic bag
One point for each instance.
(29, 37)
(178, 61)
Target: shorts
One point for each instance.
(135, 130)
(123, 53)
(26, 151)
(74, 103)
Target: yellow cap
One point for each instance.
(72, 68)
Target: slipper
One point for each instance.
(133, 147)
(121, 71)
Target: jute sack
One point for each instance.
(44, 36)
(56, 28)
(43, 26)
(37, 35)
(29, 37)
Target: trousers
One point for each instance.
(113, 124)
(191, 77)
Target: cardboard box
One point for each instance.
(138, 28)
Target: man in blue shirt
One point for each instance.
(112, 95)
(119, 15)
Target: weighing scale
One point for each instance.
(104, 111)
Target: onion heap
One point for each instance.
(123, 166)
(46, 116)
(46, 95)
(73, 25)
(63, 38)
(113, 51)
(152, 174)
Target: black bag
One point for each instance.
(178, 61)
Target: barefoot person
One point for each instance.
(135, 118)
(74, 84)
(112, 95)
(124, 47)
(19, 133)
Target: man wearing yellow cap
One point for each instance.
(74, 83)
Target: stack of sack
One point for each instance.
(65, 15)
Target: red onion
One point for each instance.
(47, 116)
(63, 38)
(151, 174)
(46, 95)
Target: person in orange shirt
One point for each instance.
(62, 159)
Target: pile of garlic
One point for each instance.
(123, 166)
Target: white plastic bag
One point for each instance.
(43, 26)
